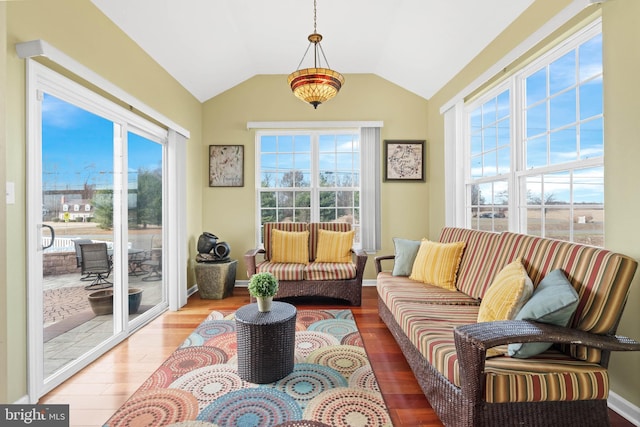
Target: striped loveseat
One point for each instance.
(446, 347)
(341, 280)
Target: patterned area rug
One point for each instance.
(332, 383)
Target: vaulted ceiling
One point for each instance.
(209, 46)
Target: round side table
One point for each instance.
(266, 342)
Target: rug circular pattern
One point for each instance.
(307, 381)
(226, 342)
(303, 423)
(364, 378)
(215, 327)
(187, 359)
(343, 314)
(155, 408)
(210, 382)
(349, 407)
(336, 327)
(309, 341)
(215, 315)
(307, 317)
(161, 378)
(193, 424)
(256, 407)
(345, 359)
(354, 338)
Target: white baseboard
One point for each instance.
(624, 408)
(24, 400)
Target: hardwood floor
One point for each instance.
(96, 392)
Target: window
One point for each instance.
(309, 176)
(535, 147)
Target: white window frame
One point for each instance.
(457, 142)
(369, 176)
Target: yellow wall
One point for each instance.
(80, 30)
(621, 36)
(230, 212)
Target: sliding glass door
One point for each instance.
(97, 199)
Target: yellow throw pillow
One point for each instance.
(437, 263)
(334, 246)
(289, 246)
(510, 289)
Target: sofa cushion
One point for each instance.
(283, 226)
(507, 294)
(330, 271)
(313, 234)
(282, 271)
(554, 301)
(405, 254)
(400, 289)
(437, 263)
(290, 246)
(475, 273)
(334, 246)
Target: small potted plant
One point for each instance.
(263, 286)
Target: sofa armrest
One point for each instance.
(472, 342)
(361, 258)
(250, 260)
(381, 258)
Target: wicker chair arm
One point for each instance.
(472, 342)
(250, 260)
(381, 258)
(490, 334)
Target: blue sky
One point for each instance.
(77, 147)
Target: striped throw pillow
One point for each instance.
(437, 263)
(289, 246)
(334, 246)
(510, 289)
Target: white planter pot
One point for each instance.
(264, 304)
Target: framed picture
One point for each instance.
(404, 160)
(226, 166)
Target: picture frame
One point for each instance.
(226, 166)
(404, 160)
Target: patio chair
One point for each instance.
(77, 243)
(96, 262)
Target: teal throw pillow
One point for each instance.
(554, 301)
(406, 251)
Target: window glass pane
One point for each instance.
(563, 146)
(490, 138)
(327, 215)
(475, 119)
(327, 143)
(345, 143)
(590, 54)
(302, 143)
(563, 109)
(327, 199)
(557, 189)
(588, 225)
(534, 222)
(268, 162)
(489, 112)
(504, 132)
(504, 160)
(503, 105)
(562, 73)
(268, 199)
(537, 152)
(476, 144)
(285, 143)
(302, 215)
(476, 167)
(591, 98)
(588, 186)
(303, 161)
(490, 166)
(557, 223)
(591, 139)
(268, 143)
(268, 215)
(536, 87)
(537, 120)
(534, 190)
(328, 161)
(267, 180)
(345, 161)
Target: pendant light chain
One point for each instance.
(315, 17)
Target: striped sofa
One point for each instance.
(437, 330)
(320, 279)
